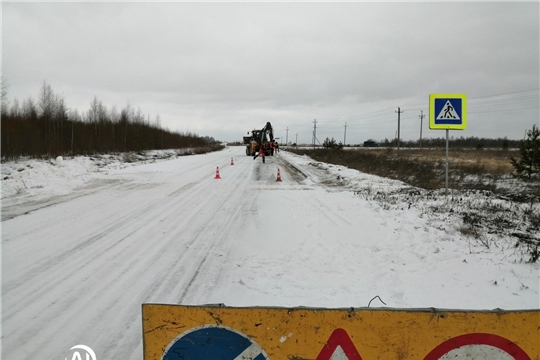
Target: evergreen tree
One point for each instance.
(529, 149)
(332, 144)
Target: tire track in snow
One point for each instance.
(149, 250)
(30, 298)
(226, 230)
(122, 224)
(166, 285)
(69, 304)
(330, 214)
(177, 271)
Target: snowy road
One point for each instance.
(77, 271)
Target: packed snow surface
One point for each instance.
(86, 241)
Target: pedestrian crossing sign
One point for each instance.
(447, 111)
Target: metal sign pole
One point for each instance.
(446, 177)
(447, 112)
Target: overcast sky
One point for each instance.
(222, 69)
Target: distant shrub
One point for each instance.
(129, 157)
(332, 144)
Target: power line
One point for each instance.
(482, 97)
(507, 100)
(382, 113)
(356, 116)
(495, 103)
(515, 92)
(503, 110)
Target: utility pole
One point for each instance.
(314, 132)
(287, 138)
(345, 135)
(399, 112)
(421, 116)
(296, 142)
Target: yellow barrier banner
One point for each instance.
(176, 332)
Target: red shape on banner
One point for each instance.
(339, 338)
(499, 342)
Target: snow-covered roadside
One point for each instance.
(486, 222)
(35, 178)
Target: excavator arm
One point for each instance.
(267, 129)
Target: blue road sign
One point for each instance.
(214, 342)
(447, 112)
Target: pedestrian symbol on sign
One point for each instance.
(214, 342)
(448, 112)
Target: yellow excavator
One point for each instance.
(258, 138)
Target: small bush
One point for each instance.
(129, 158)
(528, 166)
(332, 144)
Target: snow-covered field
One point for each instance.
(86, 241)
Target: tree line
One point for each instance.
(46, 127)
(456, 142)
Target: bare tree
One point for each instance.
(93, 118)
(102, 113)
(15, 111)
(61, 116)
(114, 117)
(139, 117)
(93, 112)
(126, 116)
(29, 109)
(4, 87)
(46, 101)
(130, 112)
(46, 105)
(74, 115)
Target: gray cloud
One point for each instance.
(220, 69)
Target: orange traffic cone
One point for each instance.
(278, 175)
(217, 173)
(232, 162)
